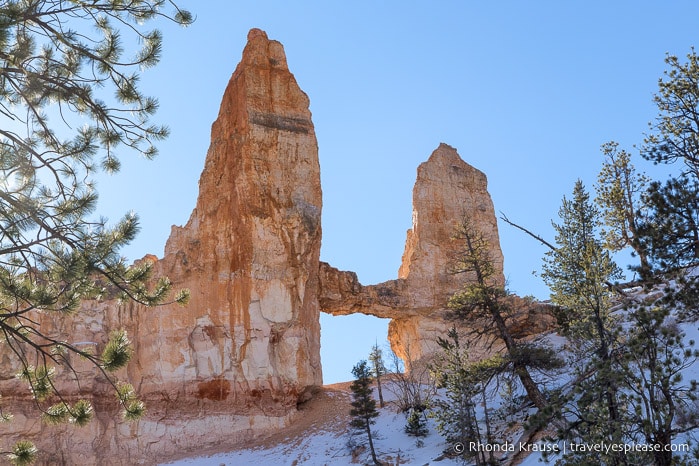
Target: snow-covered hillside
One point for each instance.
(322, 436)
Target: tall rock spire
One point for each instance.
(246, 349)
(250, 249)
(447, 190)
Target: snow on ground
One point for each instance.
(329, 445)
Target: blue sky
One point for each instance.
(526, 91)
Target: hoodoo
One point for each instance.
(249, 252)
(446, 191)
(237, 360)
(246, 349)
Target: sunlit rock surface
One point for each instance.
(235, 362)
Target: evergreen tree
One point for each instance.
(416, 424)
(660, 403)
(483, 301)
(465, 383)
(379, 368)
(579, 272)
(620, 192)
(69, 99)
(674, 135)
(673, 233)
(456, 412)
(630, 356)
(363, 410)
(24, 453)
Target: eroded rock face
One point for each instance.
(342, 294)
(446, 191)
(246, 349)
(249, 252)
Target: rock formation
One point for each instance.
(246, 350)
(249, 252)
(446, 191)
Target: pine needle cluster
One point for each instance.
(70, 104)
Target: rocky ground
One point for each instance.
(328, 411)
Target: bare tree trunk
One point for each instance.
(378, 386)
(532, 389)
(371, 446)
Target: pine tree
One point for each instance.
(69, 99)
(673, 232)
(363, 410)
(674, 135)
(465, 383)
(620, 196)
(580, 272)
(379, 368)
(456, 412)
(483, 300)
(416, 424)
(661, 404)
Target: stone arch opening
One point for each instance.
(347, 339)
